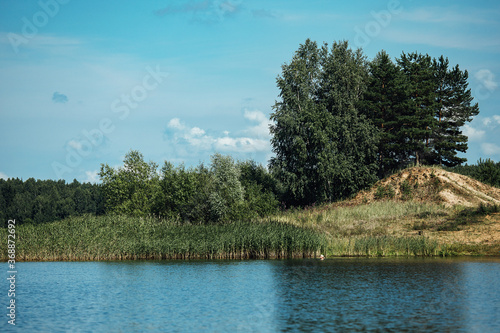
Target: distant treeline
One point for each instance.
(486, 171)
(223, 191)
(40, 201)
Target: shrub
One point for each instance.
(385, 192)
(406, 190)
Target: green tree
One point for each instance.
(291, 131)
(418, 118)
(182, 194)
(198, 208)
(383, 103)
(261, 189)
(325, 150)
(131, 189)
(22, 208)
(454, 108)
(226, 200)
(81, 199)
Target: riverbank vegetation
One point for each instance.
(389, 227)
(114, 237)
(340, 125)
(381, 228)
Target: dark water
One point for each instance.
(338, 295)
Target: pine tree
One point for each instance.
(383, 103)
(418, 116)
(453, 110)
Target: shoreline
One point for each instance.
(180, 258)
(377, 229)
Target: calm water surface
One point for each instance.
(337, 295)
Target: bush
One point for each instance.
(384, 192)
(406, 190)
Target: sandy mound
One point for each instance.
(432, 184)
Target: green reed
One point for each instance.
(383, 246)
(119, 237)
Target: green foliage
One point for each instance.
(226, 200)
(41, 201)
(183, 193)
(192, 196)
(386, 191)
(384, 103)
(378, 246)
(261, 190)
(113, 237)
(468, 216)
(454, 109)
(406, 190)
(131, 189)
(324, 149)
(419, 106)
(420, 103)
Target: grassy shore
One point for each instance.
(380, 228)
(119, 237)
(394, 228)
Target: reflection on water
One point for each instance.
(261, 296)
(365, 294)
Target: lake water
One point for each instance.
(335, 295)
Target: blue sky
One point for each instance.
(83, 82)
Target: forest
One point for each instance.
(340, 123)
(39, 201)
(176, 196)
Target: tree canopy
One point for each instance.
(224, 191)
(325, 149)
(341, 120)
(41, 201)
(419, 106)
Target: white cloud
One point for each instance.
(48, 43)
(196, 131)
(491, 122)
(473, 133)
(3, 176)
(203, 11)
(440, 39)
(487, 78)
(255, 116)
(92, 176)
(443, 15)
(175, 123)
(262, 129)
(75, 144)
(490, 148)
(244, 145)
(254, 140)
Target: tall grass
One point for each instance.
(384, 228)
(381, 228)
(375, 219)
(382, 246)
(119, 237)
